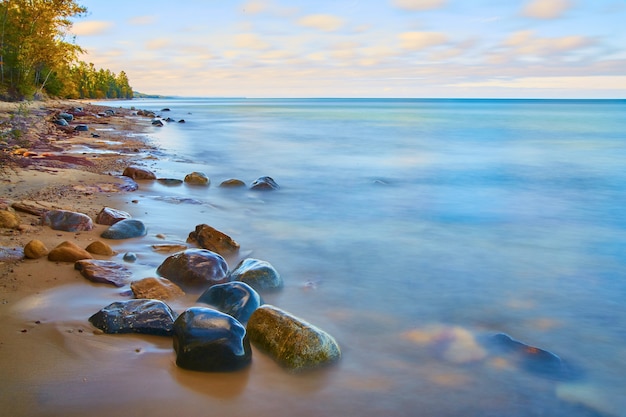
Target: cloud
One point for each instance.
(546, 9)
(599, 82)
(255, 7)
(421, 40)
(142, 20)
(250, 41)
(158, 43)
(323, 22)
(419, 4)
(526, 43)
(90, 28)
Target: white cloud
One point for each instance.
(142, 20)
(546, 9)
(255, 7)
(323, 22)
(90, 28)
(526, 43)
(419, 4)
(421, 40)
(156, 44)
(568, 82)
(250, 41)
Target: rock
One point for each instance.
(157, 123)
(232, 183)
(35, 249)
(9, 220)
(169, 247)
(129, 257)
(109, 216)
(138, 173)
(197, 178)
(67, 221)
(264, 183)
(195, 269)
(81, 128)
(453, 344)
(292, 342)
(100, 248)
(68, 252)
(105, 272)
(170, 181)
(212, 239)
(207, 340)
(67, 116)
(156, 288)
(260, 275)
(237, 299)
(125, 229)
(11, 254)
(135, 316)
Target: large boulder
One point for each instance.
(104, 272)
(135, 316)
(212, 239)
(260, 275)
(237, 299)
(125, 229)
(109, 216)
(292, 342)
(156, 288)
(195, 269)
(197, 178)
(139, 173)
(207, 340)
(67, 221)
(68, 252)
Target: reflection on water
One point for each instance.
(412, 231)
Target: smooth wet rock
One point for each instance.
(264, 184)
(9, 220)
(35, 249)
(152, 317)
(195, 269)
(67, 221)
(210, 341)
(237, 299)
(129, 257)
(260, 275)
(232, 183)
(291, 341)
(100, 248)
(139, 173)
(156, 288)
(81, 128)
(170, 182)
(212, 239)
(125, 229)
(104, 272)
(197, 178)
(109, 216)
(68, 252)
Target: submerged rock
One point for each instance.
(212, 239)
(109, 216)
(197, 178)
(139, 173)
(135, 316)
(207, 340)
(129, 257)
(100, 248)
(105, 272)
(232, 183)
(156, 288)
(260, 275)
(195, 269)
(68, 252)
(264, 183)
(125, 229)
(67, 221)
(35, 249)
(237, 299)
(292, 342)
(170, 182)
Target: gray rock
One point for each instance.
(207, 340)
(264, 184)
(135, 316)
(237, 299)
(125, 229)
(105, 272)
(292, 342)
(260, 275)
(195, 269)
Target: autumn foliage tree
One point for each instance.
(36, 58)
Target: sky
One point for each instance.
(361, 48)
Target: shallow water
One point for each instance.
(412, 231)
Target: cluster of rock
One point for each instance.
(216, 333)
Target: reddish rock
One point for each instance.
(138, 173)
(109, 216)
(212, 239)
(105, 272)
(67, 221)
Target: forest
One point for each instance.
(39, 56)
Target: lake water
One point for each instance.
(412, 231)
